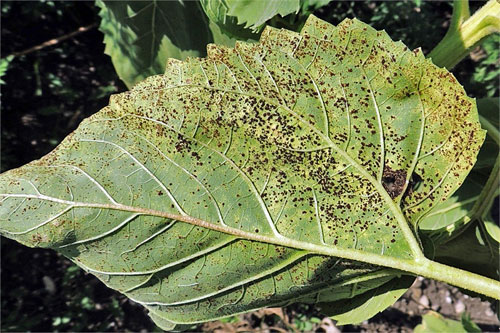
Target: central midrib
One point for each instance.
(357, 255)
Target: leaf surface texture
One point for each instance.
(249, 178)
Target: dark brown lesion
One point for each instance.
(393, 181)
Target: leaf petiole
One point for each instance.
(465, 32)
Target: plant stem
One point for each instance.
(488, 194)
(418, 266)
(491, 188)
(465, 32)
(459, 278)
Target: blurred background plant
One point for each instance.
(47, 91)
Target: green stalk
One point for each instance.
(490, 189)
(459, 278)
(466, 32)
(488, 194)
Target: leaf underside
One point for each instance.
(453, 210)
(461, 230)
(218, 187)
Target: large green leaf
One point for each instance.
(217, 13)
(141, 35)
(254, 14)
(259, 176)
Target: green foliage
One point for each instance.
(473, 249)
(140, 36)
(253, 14)
(217, 12)
(448, 235)
(263, 175)
(304, 323)
(356, 309)
(435, 323)
(4, 65)
(488, 69)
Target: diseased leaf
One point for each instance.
(453, 214)
(259, 176)
(443, 227)
(455, 208)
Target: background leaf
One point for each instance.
(434, 322)
(217, 14)
(140, 36)
(253, 14)
(4, 66)
(487, 70)
(473, 250)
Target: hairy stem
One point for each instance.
(459, 278)
(466, 32)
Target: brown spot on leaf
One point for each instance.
(393, 181)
